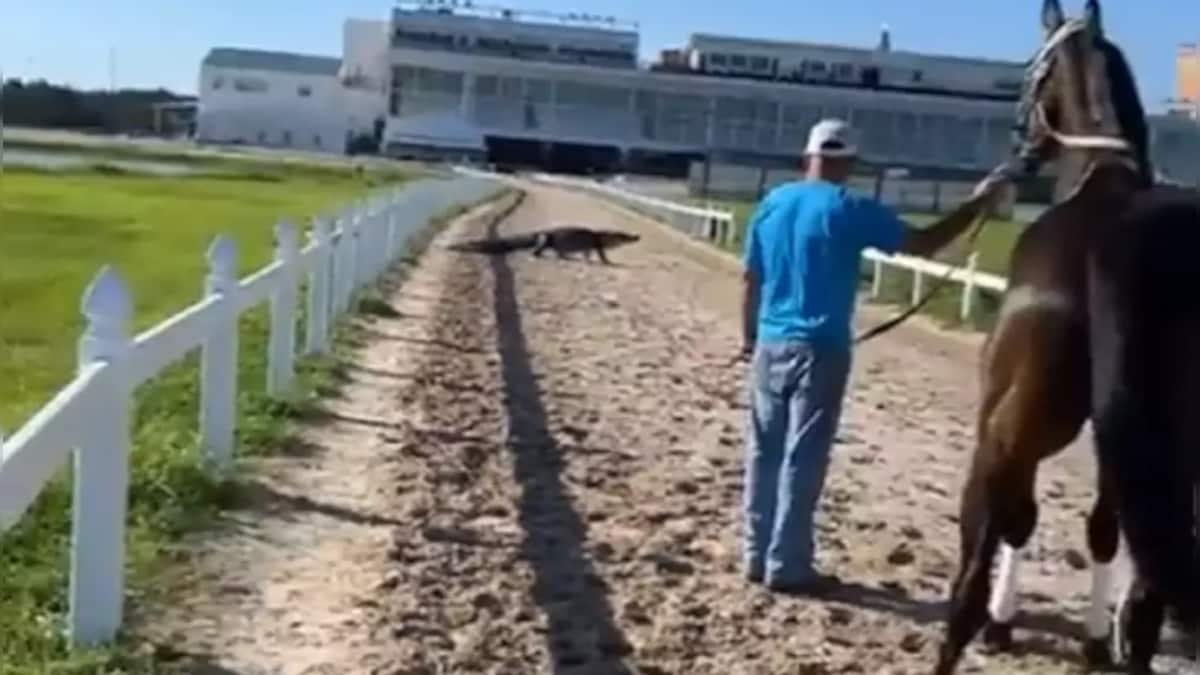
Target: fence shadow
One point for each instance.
(565, 583)
(256, 495)
(374, 334)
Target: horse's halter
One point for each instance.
(1035, 76)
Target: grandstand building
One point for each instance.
(567, 92)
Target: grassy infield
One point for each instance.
(56, 230)
(994, 246)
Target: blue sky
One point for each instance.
(161, 43)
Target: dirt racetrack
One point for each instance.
(536, 468)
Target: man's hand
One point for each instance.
(747, 353)
(988, 194)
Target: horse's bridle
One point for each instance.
(1035, 75)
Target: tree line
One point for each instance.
(39, 103)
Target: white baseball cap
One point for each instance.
(831, 138)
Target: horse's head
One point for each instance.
(1078, 94)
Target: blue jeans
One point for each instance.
(796, 394)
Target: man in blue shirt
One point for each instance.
(802, 258)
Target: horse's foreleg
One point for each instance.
(1019, 522)
(982, 524)
(1104, 541)
(1003, 605)
(1146, 613)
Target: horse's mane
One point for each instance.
(1128, 105)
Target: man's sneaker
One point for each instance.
(818, 584)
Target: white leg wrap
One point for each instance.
(1098, 618)
(1003, 604)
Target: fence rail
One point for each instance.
(90, 418)
(718, 227)
(712, 224)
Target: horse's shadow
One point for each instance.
(1044, 635)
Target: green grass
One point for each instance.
(200, 157)
(57, 229)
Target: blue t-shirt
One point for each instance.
(804, 244)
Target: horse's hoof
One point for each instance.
(1098, 655)
(997, 637)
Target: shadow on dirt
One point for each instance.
(583, 629)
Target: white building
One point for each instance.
(273, 99)
(539, 85)
(565, 90)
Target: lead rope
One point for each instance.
(888, 325)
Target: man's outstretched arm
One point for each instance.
(927, 241)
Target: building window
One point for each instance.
(218, 82)
(737, 61)
(304, 91)
(918, 76)
(717, 60)
(759, 63)
(250, 85)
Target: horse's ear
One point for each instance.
(1092, 16)
(1052, 16)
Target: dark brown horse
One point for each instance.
(1079, 320)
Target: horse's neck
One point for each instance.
(1075, 167)
(1108, 187)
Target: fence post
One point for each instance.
(968, 296)
(101, 476)
(349, 255)
(218, 357)
(281, 345)
(345, 261)
(877, 278)
(389, 216)
(403, 224)
(337, 258)
(918, 283)
(382, 237)
(370, 242)
(362, 230)
(319, 276)
(362, 246)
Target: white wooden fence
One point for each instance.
(90, 418)
(711, 224)
(717, 226)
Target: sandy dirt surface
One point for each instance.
(537, 469)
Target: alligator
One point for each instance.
(564, 241)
